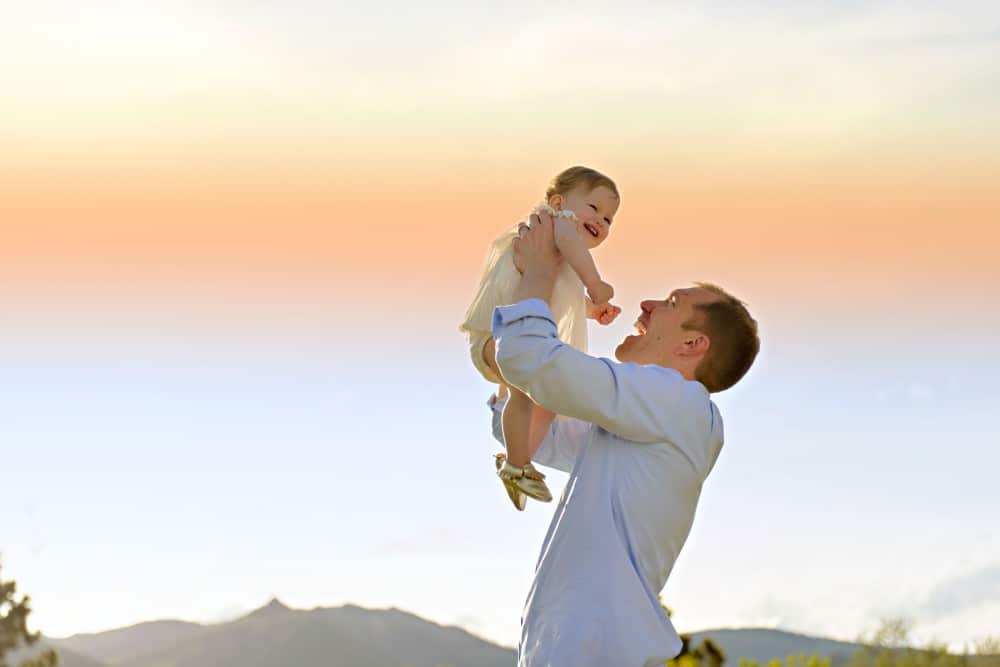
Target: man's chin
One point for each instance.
(624, 349)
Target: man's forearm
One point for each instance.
(537, 282)
(639, 403)
(539, 261)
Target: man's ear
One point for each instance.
(556, 202)
(695, 345)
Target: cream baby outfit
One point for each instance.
(496, 288)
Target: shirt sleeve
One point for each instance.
(639, 403)
(563, 442)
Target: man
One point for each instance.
(638, 439)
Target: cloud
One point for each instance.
(958, 594)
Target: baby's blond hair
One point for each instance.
(569, 179)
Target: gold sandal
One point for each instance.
(523, 481)
(515, 494)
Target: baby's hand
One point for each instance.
(604, 313)
(601, 292)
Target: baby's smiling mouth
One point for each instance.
(593, 230)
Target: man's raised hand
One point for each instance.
(535, 247)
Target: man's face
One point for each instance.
(659, 334)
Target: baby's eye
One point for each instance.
(592, 206)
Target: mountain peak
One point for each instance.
(275, 606)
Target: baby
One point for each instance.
(583, 203)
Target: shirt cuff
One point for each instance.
(505, 315)
(496, 421)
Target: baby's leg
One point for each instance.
(521, 418)
(489, 353)
(541, 420)
(517, 424)
(523, 424)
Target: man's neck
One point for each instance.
(687, 371)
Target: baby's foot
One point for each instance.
(515, 494)
(525, 479)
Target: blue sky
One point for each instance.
(195, 476)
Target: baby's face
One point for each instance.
(595, 209)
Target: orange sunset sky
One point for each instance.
(331, 224)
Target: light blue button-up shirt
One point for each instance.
(638, 442)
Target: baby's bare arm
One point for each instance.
(575, 252)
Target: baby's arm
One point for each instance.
(576, 254)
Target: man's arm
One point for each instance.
(638, 403)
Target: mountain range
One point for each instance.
(350, 636)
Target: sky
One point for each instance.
(236, 243)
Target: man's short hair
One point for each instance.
(734, 340)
